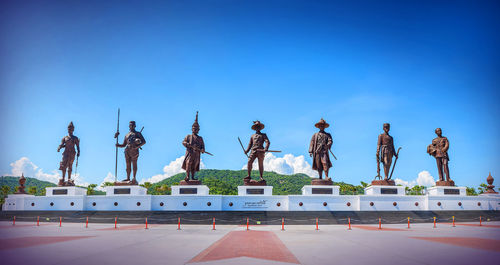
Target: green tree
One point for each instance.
(364, 184)
(91, 189)
(32, 190)
(471, 191)
(482, 188)
(148, 186)
(105, 184)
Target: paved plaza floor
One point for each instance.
(73, 244)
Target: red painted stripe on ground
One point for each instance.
(492, 226)
(252, 244)
(470, 242)
(24, 242)
(373, 228)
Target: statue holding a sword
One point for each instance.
(257, 151)
(194, 148)
(321, 144)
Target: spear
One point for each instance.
(117, 132)
(242, 146)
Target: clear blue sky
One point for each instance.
(416, 64)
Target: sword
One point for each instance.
(242, 147)
(76, 168)
(332, 154)
(397, 153)
(270, 151)
(208, 153)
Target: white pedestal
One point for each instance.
(318, 190)
(190, 190)
(125, 190)
(385, 190)
(447, 190)
(65, 191)
(15, 202)
(255, 190)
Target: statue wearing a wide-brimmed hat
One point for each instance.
(320, 145)
(257, 151)
(68, 142)
(194, 148)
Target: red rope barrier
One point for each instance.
(14, 221)
(480, 221)
(213, 223)
(116, 220)
(282, 224)
(38, 221)
(87, 222)
(408, 222)
(453, 221)
(247, 224)
(349, 220)
(60, 221)
(317, 228)
(434, 222)
(379, 223)
(146, 223)
(179, 223)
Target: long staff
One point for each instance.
(397, 153)
(117, 132)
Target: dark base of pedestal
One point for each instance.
(63, 183)
(383, 182)
(490, 192)
(322, 182)
(126, 183)
(190, 182)
(450, 183)
(252, 182)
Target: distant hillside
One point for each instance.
(13, 183)
(226, 182)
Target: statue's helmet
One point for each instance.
(195, 123)
(71, 126)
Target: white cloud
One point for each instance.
(424, 179)
(109, 178)
(288, 164)
(29, 169)
(174, 167)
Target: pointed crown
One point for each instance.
(195, 123)
(71, 125)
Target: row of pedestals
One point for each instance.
(203, 190)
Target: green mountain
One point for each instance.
(13, 183)
(226, 182)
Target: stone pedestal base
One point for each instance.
(450, 183)
(323, 190)
(190, 182)
(125, 190)
(383, 182)
(65, 191)
(322, 182)
(190, 190)
(447, 190)
(385, 190)
(255, 190)
(252, 182)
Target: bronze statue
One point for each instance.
(439, 149)
(321, 143)
(385, 152)
(132, 142)
(194, 148)
(257, 151)
(68, 143)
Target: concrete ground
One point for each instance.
(467, 243)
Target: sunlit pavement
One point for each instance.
(73, 244)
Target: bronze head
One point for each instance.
(131, 125)
(257, 126)
(196, 126)
(439, 132)
(386, 127)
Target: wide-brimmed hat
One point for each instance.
(257, 125)
(322, 123)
